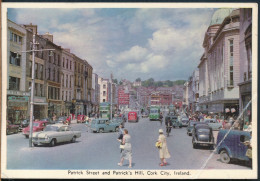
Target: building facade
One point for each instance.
(67, 81)
(104, 89)
(221, 57)
(17, 96)
(123, 97)
(245, 49)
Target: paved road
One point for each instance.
(101, 151)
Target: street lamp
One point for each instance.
(33, 83)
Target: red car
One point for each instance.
(81, 119)
(11, 128)
(37, 126)
(132, 117)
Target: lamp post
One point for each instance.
(33, 83)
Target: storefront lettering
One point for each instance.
(18, 99)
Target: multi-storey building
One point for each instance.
(104, 89)
(17, 95)
(96, 92)
(221, 61)
(123, 97)
(87, 87)
(245, 49)
(67, 81)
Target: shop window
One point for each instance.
(14, 59)
(14, 83)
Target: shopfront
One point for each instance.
(245, 90)
(54, 107)
(40, 107)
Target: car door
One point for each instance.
(68, 133)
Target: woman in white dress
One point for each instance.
(127, 151)
(163, 152)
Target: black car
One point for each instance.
(202, 135)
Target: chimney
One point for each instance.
(48, 36)
(32, 28)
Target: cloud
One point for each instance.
(135, 54)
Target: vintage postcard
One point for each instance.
(129, 90)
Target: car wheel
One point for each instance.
(73, 140)
(117, 129)
(101, 130)
(224, 157)
(194, 145)
(7, 132)
(53, 142)
(26, 136)
(17, 130)
(35, 144)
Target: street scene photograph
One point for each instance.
(129, 91)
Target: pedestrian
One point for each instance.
(227, 125)
(161, 118)
(249, 128)
(54, 118)
(120, 137)
(127, 150)
(168, 125)
(163, 151)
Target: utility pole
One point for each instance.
(33, 83)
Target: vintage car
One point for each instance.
(25, 123)
(55, 133)
(191, 125)
(202, 135)
(103, 125)
(232, 147)
(213, 123)
(49, 120)
(62, 120)
(175, 121)
(11, 128)
(185, 121)
(37, 126)
(119, 120)
(81, 119)
(132, 116)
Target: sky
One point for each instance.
(159, 43)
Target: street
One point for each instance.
(101, 151)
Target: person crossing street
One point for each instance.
(168, 124)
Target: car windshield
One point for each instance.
(93, 121)
(51, 128)
(61, 118)
(35, 124)
(192, 123)
(154, 111)
(203, 130)
(25, 121)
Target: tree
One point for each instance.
(120, 83)
(138, 79)
(115, 81)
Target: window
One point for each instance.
(11, 36)
(49, 55)
(14, 83)
(66, 96)
(63, 62)
(104, 93)
(49, 78)
(54, 58)
(15, 38)
(30, 68)
(36, 89)
(58, 60)
(58, 76)
(53, 75)
(70, 65)
(231, 83)
(19, 40)
(104, 86)
(41, 90)
(67, 64)
(70, 81)
(41, 72)
(13, 59)
(67, 85)
(249, 59)
(62, 95)
(36, 70)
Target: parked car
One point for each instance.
(54, 134)
(25, 123)
(190, 126)
(62, 120)
(49, 120)
(37, 126)
(144, 115)
(119, 120)
(11, 128)
(213, 123)
(185, 121)
(104, 125)
(232, 147)
(81, 119)
(202, 135)
(132, 116)
(175, 121)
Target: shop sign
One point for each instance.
(18, 99)
(233, 110)
(18, 108)
(227, 110)
(18, 93)
(39, 99)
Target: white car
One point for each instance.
(54, 134)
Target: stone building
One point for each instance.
(67, 81)
(245, 49)
(104, 89)
(219, 66)
(96, 92)
(17, 95)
